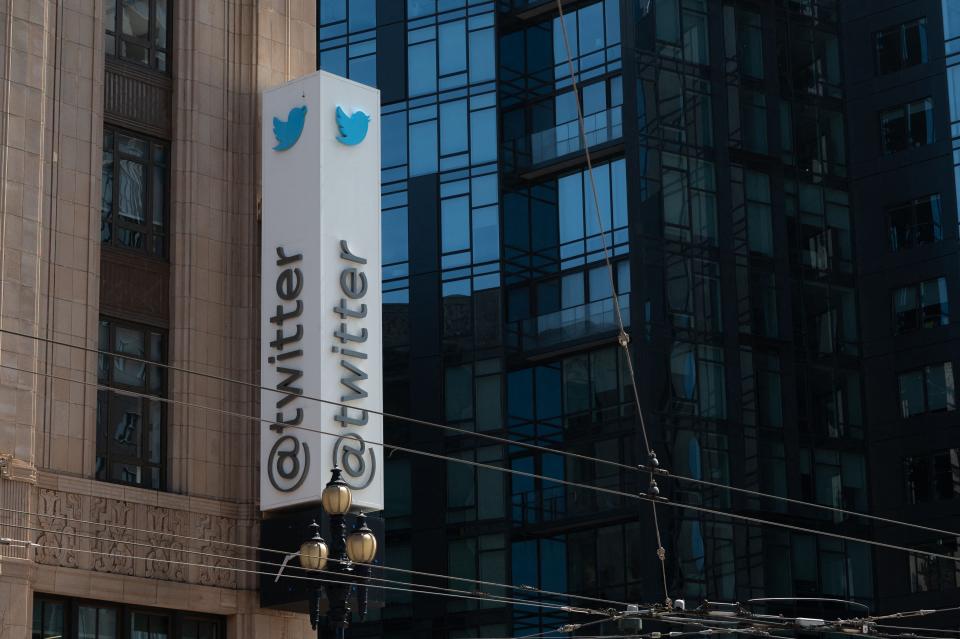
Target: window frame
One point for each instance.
(907, 112)
(901, 33)
(925, 372)
(125, 612)
(152, 48)
(936, 204)
(919, 309)
(113, 218)
(105, 397)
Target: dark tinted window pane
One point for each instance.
(915, 43)
(888, 50)
(893, 129)
(921, 122)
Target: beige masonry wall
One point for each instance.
(98, 540)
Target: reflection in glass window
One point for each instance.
(358, 59)
(759, 213)
(134, 192)
(902, 46)
(682, 30)
(131, 430)
(818, 222)
(683, 103)
(819, 140)
(932, 574)
(933, 476)
(927, 390)
(915, 223)
(698, 380)
(693, 293)
(814, 62)
(922, 305)
(834, 478)
(907, 126)
(689, 199)
(137, 32)
(593, 33)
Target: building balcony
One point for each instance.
(567, 325)
(553, 145)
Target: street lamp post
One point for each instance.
(347, 559)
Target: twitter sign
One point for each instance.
(321, 337)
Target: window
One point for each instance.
(689, 199)
(907, 126)
(930, 574)
(749, 28)
(933, 476)
(927, 390)
(134, 198)
(693, 293)
(902, 46)
(698, 380)
(834, 478)
(137, 31)
(59, 618)
(131, 430)
(922, 305)
(682, 30)
(593, 32)
(358, 61)
(915, 223)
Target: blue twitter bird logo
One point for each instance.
(353, 128)
(287, 133)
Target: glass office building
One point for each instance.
(773, 182)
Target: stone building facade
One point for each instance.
(178, 82)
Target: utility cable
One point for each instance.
(622, 338)
(490, 437)
(322, 580)
(522, 588)
(512, 471)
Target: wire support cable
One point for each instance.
(622, 338)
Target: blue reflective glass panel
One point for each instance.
(486, 234)
(455, 224)
(423, 148)
(364, 70)
(363, 15)
(453, 127)
(394, 236)
(483, 136)
(393, 131)
(482, 56)
(570, 195)
(334, 61)
(332, 11)
(452, 37)
(422, 68)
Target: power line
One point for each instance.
(522, 588)
(512, 471)
(482, 435)
(408, 588)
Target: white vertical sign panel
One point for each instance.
(320, 291)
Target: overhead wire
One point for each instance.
(513, 471)
(522, 588)
(413, 588)
(482, 435)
